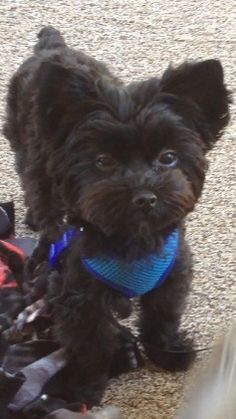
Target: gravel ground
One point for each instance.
(139, 39)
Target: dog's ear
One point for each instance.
(202, 83)
(65, 95)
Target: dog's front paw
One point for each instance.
(178, 357)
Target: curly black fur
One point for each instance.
(86, 145)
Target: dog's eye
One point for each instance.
(105, 162)
(168, 158)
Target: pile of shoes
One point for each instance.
(33, 368)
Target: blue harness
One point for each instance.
(130, 278)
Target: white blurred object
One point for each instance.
(108, 412)
(215, 395)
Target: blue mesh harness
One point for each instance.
(130, 278)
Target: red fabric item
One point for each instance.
(4, 272)
(6, 275)
(13, 249)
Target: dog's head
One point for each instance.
(131, 159)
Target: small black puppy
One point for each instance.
(127, 163)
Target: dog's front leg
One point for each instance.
(40, 253)
(85, 330)
(161, 311)
(45, 210)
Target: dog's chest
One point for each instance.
(130, 278)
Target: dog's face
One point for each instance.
(136, 178)
(134, 164)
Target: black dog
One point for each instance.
(126, 163)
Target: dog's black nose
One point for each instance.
(145, 199)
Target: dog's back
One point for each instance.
(17, 103)
(215, 396)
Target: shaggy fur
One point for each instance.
(126, 162)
